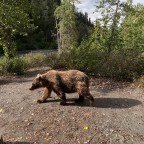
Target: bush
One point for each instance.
(120, 66)
(84, 59)
(60, 61)
(1, 65)
(93, 61)
(19, 65)
(140, 81)
(53, 60)
(35, 60)
(96, 62)
(12, 66)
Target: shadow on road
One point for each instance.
(16, 143)
(103, 102)
(13, 80)
(115, 102)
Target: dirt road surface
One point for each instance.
(117, 116)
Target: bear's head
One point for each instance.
(38, 82)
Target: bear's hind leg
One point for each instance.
(62, 96)
(84, 93)
(80, 88)
(90, 98)
(46, 94)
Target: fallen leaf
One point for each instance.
(86, 127)
(1, 110)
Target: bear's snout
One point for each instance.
(35, 86)
(31, 88)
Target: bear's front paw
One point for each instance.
(41, 101)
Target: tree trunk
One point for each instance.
(113, 28)
(58, 39)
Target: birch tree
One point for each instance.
(66, 25)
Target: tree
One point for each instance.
(84, 26)
(112, 14)
(13, 20)
(44, 37)
(66, 24)
(132, 31)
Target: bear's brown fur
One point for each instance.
(62, 82)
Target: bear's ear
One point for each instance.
(39, 76)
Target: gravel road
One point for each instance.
(117, 116)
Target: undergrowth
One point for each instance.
(97, 63)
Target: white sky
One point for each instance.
(89, 7)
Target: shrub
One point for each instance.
(93, 61)
(140, 81)
(116, 64)
(12, 66)
(35, 60)
(58, 61)
(84, 59)
(53, 60)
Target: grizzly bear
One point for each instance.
(62, 82)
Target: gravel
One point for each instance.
(117, 116)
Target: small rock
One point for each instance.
(32, 114)
(1, 110)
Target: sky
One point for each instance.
(89, 7)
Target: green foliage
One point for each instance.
(115, 47)
(44, 37)
(66, 24)
(12, 66)
(81, 59)
(35, 60)
(30, 25)
(53, 61)
(112, 13)
(99, 63)
(83, 26)
(13, 20)
(121, 66)
(140, 81)
(131, 33)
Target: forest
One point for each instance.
(112, 46)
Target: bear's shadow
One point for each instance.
(15, 142)
(102, 102)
